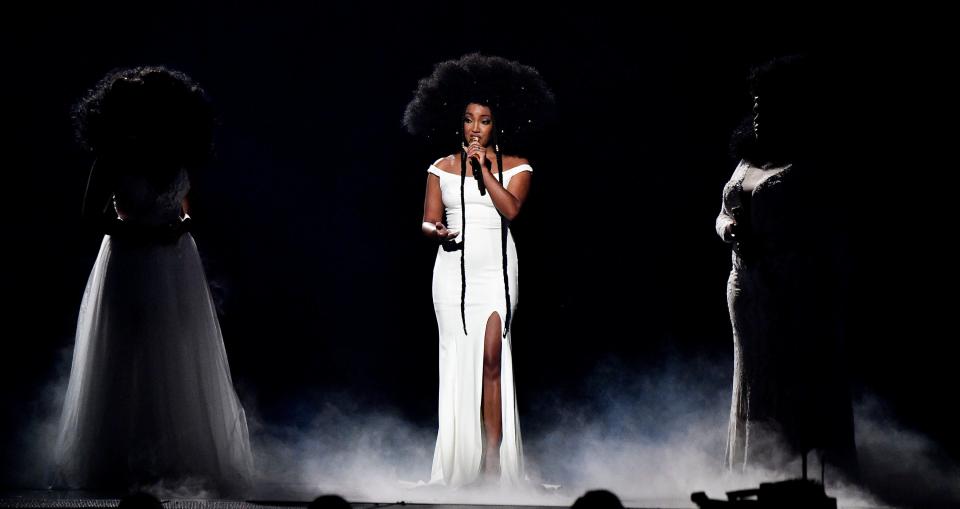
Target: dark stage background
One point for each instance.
(308, 219)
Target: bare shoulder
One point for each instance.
(447, 164)
(510, 162)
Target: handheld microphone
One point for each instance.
(477, 170)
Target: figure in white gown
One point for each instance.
(472, 196)
(779, 213)
(150, 396)
(464, 366)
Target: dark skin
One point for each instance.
(101, 185)
(478, 134)
(752, 178)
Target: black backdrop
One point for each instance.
(308, 219)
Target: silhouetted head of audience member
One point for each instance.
(598, 499)
(329, 502)
(140, 500)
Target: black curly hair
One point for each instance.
(521, 102)
(149, 111)
(522, 105)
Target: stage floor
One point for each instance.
(82, 500)
(60, 499)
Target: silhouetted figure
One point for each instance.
(329, 502)
(598, 499)
(140, 500)
(150, 396)
(790, 390)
